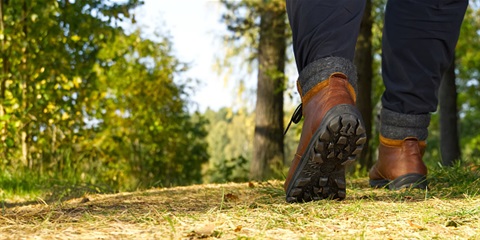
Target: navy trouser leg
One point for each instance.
(324, 28)
(419, 39)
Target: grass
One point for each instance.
(255, 210)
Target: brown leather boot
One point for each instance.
(332, 136)
(399, 164)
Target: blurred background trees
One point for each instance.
(84, 101)
(261, 28)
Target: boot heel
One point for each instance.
(411, 180)
(338, 142)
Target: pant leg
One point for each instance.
(324, 28)
(419, 39)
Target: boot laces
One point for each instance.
(296, 117)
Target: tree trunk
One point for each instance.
(449, 142)
(363, 60)
(268, 155)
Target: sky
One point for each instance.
(195, 30)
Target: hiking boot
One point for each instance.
(399, 164)
(333, 136)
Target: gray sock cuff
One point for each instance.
(399, 126)
(321, 69)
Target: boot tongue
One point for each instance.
(297, 114)
(338, 75)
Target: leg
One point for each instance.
(322, 29)
(324, 37)
(418, 46)
(419, 39)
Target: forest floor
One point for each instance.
(254, 210)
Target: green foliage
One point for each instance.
(81, 101)
(242, 20)
(145, 121)
(378, 13)
(26, 184)
(468, 81)
(229, 170)
(462, 179)
(230, 146)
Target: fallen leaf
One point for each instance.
(452, 223)
(413, 225)
(206, 230)
(231, 197)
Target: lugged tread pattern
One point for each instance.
(321, 172)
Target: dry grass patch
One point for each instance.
(246, 211)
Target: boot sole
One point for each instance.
(337, 142)
(411, 180)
